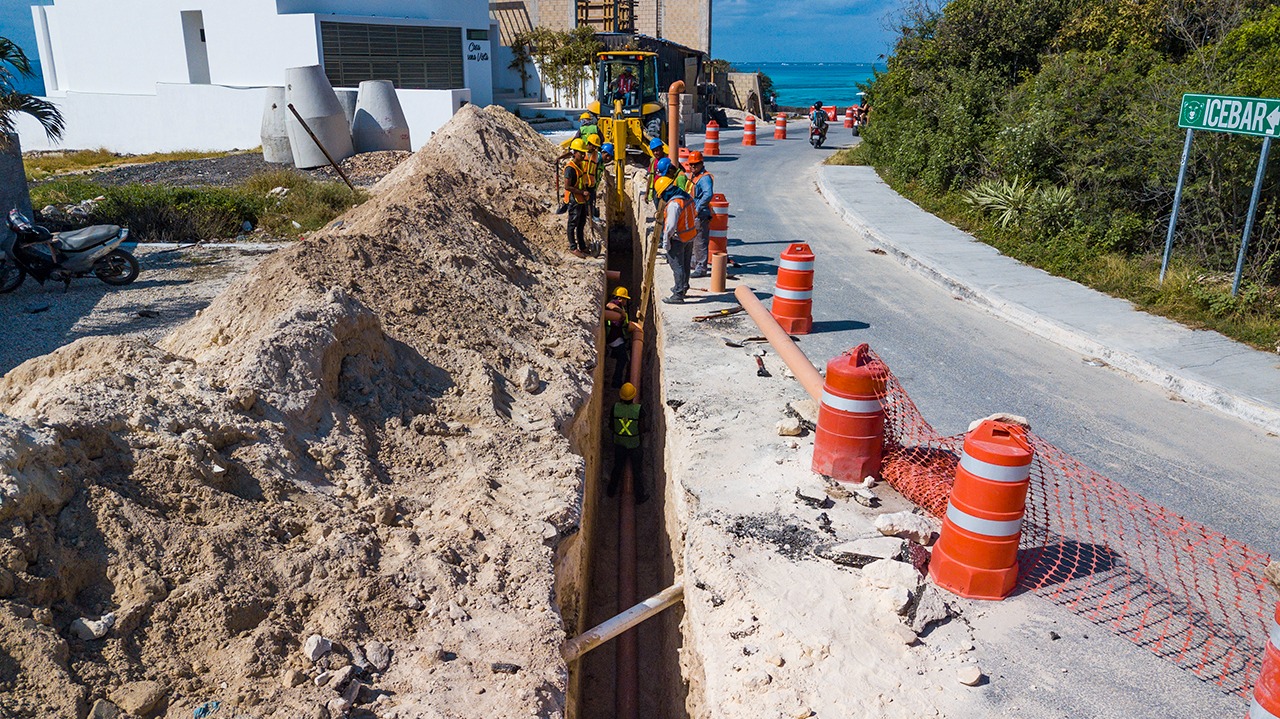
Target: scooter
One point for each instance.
(101, 251)
(817, 135)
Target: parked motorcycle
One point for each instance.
(101, 251)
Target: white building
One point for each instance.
(161, 75)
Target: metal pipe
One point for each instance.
(673, 120)
(573, 649)
(1253, 209)
(796, 360)
(1177, 202)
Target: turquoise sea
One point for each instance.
(803, 83)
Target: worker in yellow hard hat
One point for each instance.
(593, 169)
(587, 125)
(576, 195)
(618, 333)
(679, 229)
(626, 440)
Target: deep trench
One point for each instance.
(661, 690)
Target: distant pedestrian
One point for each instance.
(773, 102)
(679, 229)
(702, 187)
(576, 195)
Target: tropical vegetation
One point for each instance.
(1050, 129)
(13, 65)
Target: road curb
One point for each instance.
(1175, 380)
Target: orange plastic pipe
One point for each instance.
(673, 119)
(637, 354)
(796, 360)
(627, 650)
(719, 268)
(613, 275)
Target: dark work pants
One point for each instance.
(621, 355)
(701, 244)
(679, 255)
(577, 223)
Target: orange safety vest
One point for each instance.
(590, 166)
(581, 183)
(686, 225)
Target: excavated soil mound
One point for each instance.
(371, 438)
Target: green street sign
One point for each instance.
(1239, 115)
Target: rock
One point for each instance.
(323, 678)
(890, 574)
(315, 647)
(775, 660)
(138, 698)
(90, 629)
(412, 602)
(379, 655)
(549, 342)
(343, 677)
(865, 497)
(907, 525)
(861, 552)
(353, 692)
(103, 709)
(293, 678)
(929, 610)
(970, 675)
(528, 379)
(338, 707)
(12, 558)
(278, 192)
(43, 615)
(897, 599)
(789, 427)
(903, 634)
(806, 410)
(1054, 636)
(360, 661)
(6, 583)
(757, 679)
(384, 513)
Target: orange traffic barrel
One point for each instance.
(977, 552)
(793, 292)
(718, 235)
(780, 126)
(831, 112)
(711, 146)
(848, 117)
(684, 158)
(749, 130)
(1266, 692)
(848, 445)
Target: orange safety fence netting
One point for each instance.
(1185, 592)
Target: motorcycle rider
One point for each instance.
(818, 119)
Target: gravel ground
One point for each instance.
(173, 286)
(364, 170)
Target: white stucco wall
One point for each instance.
(200, 117)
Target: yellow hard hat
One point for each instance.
(621, 292)
(627, 392)
(584, 116)
(661, 184)
(578, 145)
(593, 139)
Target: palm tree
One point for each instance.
(14, 64)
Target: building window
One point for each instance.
(414, 58)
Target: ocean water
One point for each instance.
(803, 83)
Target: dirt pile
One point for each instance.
(369, 439)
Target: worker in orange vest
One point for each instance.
(702, 187)
(679, 229)
(577, 193)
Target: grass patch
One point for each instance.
(160, 213)
(46, 165)
(1193, 296)
(856, 155)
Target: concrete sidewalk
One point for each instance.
(1197, 365)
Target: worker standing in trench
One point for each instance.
(619, 331)
(626, 440)
(576, 196)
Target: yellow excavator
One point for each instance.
(627, 98)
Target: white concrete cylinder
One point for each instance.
(348, 99)
(275, 131)
(380, 123)
(309, 91)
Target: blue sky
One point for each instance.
(742, 30)
(801, 30)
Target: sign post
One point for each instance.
(1258, 116)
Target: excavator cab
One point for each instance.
(627, 98)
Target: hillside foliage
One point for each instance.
(1052, 127)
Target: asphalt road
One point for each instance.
(960, 363)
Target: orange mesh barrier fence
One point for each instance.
(1175, 587)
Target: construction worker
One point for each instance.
(626, 440)
(577, 194)
(679, 229)
(587, 125)
(659, 152)
(593, 169)
(702, 184)
(618, 333)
